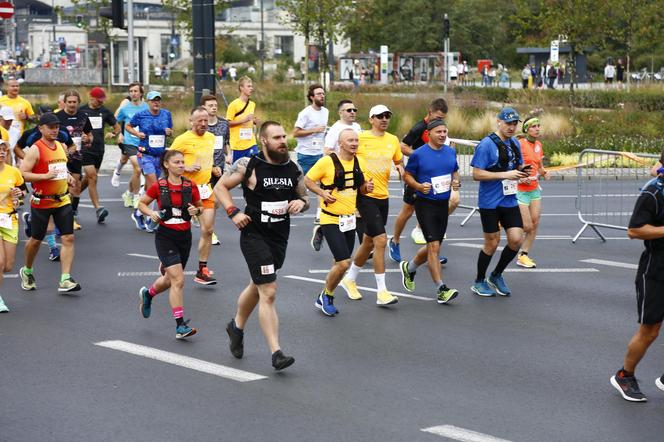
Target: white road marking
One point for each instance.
(10, 275)
(139, 255)
(555, 270)
(461, 434)
(604, 262)
(325, 271)
(472, 246)
(182, 361)
(148, 273)
(368, 289)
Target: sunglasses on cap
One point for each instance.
(351, 110)
(384, 116)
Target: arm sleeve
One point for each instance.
(645, 211)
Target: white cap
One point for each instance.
(7, 113)
(378, 109)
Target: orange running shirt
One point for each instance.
(50, 158)
(532, 154)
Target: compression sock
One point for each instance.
(50, 239)
(380, 281)
(483, 262)
(152, 292)
(412, 267)
(64, 277)
(178, 314)
(353, 272)
(118, 168)
(505, 258)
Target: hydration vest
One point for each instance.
(503, 155)
(341, 175)
(165, 199)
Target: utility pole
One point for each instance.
(446, 44)
(130, 41)
(262, 45)
(203, 38)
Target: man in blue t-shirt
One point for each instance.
(432, 171)
(498, 165)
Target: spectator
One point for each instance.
(551, 75)
(291, 74)
(620, 73)
(525, 76)
(232, 71)
(609, 73)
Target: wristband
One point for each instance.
(231, 211)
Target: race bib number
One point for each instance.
(60, 170)
(441, 184)
(6, 221)
(96, 122)
(177, 217)
(157, 141)
(205, 191)
(273, 208)
(218, 142)
(347, 222)
(509, 187)
(77, 143)
(246, 133)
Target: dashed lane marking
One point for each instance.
(140, 255)
(148, 273)
(461, 434)
(368, 289)
(604, 262)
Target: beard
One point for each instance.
(277, 155)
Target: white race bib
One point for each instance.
(205, 191)
(347, 222)
(157, 141)
(273, 208)
(77, 143)
(246, 133)
(509, 187)
(441, 184)
(96, 122)
(218, 142)
(177, 217)
(60, 170)
(6, 221)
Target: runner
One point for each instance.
(11, 190)
(416, 137)
(178, 200)
(336, 179)
(197, 146)
(45, 166)
(498, 165)
(218, 126)
(22, 108)
(93, 156)
(378, 149)
(529, 193)
(646, 224)
(241, 120)
(128, 144)
(6, 120)
(432, 171)
(151, 126)
(274, 189)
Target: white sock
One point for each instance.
(353, 272)
(118, 168)
(380, 281)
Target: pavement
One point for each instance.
(534, 366)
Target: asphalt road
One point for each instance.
(534, 366)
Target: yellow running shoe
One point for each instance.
(525, 261)
(215, 239)
(77, 226)
(386, 298)
(351, 289)
(128, 199)
(417, 236)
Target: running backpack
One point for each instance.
(340, 179)
(165, 199)
(503, 156)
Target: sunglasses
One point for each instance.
(384, 116)
(351, 110)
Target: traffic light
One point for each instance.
(115, 13)
(79, 21)
(446, 27)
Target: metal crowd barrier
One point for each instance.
(469, 187)
(607, 185)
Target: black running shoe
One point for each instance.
(660, 382)
(628, 387)
(281, 361)
(236, 343)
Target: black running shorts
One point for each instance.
(432, 217)
(340, 243)
(173, 246)
(508, 217)
(93, 158)
(409, 195)
(75, 165)
(263, 255)
(374, 212)
(650, 288)
(128, 149)
(63, 217)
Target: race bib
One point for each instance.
(509, 187)
(177, 217)
(218, 142)
(60, 170)
(441, 184)
(96, 122)
(6, 221)
(77, 143)
(317, 143)
(157, 141)
(205, 191)
(246, 133)
(347, 222)
(273, 208)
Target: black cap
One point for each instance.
(48, 118)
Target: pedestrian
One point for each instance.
(551, 75)
(290, 74)
(178, 200)
(232, 71)
(620, 73)
(454, 73)
(274, 189)
(242, 121)
(609, 74)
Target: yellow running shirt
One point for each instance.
(197, 150)
(378, 154)
(242, 136)
(18, 105)
(10, 177)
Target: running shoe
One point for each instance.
(394, 251)
(27, 228)
(499, 285)
(446, 294)
(236, 337)
(215, 239)
(102, 213)
(384, 298)
(525, 261)
(407, 278)
(184, 331)
(150, 226)
(69, 285)
(54, 254)
(442, 259)
(482, 288)
(137, 218)
(27, 280)
(317, 238)
(203, 277)
(3, 306)
(417, 236)
(281, 361)
(145, 306)
(660, 382)
(77, 226)
(325, 303)
(137, 199)
(628, 387)
(115, 179)
(351, 289)
(128, 199)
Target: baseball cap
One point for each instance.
(152, 95)
(48, 119)
(98, 93)
(378, 109)
(7, 113)
(508, 115)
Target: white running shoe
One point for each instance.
(417, 236)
